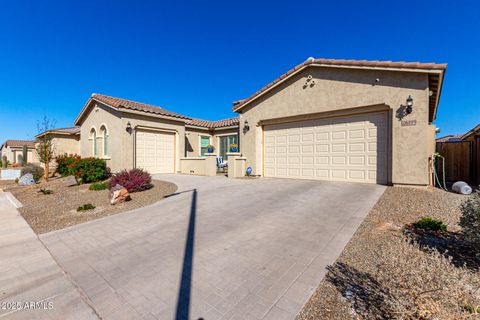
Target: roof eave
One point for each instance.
(306, 64)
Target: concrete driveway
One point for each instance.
(218, 249)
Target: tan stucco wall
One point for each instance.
(121, 143)
(337, 89)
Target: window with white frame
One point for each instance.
(104, 137)
(204, 142)
(93, 141)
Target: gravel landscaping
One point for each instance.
(48, 212)
(386, 273)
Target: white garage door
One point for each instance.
(155, 151)
(344, 149)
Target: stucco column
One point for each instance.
(236, 165)
(211, 164)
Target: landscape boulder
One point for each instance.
(119, 194)
(26, 180)
(70, 181)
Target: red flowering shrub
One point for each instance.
(66, 164)
(133, 180)
(88, 170)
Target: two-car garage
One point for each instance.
(352, 148)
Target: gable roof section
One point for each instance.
(20, 143)
(66, 131)
(230, 122)
(435, 71)
(450, 138)
(474, 130)
(129, 105)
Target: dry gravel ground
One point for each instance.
(58, 210)
(382, 274)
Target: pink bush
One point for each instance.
(133, 180)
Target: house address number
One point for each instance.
(409, 123)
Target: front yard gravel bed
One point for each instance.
(383, 274)
(58, 210)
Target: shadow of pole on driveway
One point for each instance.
(183, 300)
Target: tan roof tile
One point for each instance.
(20, 143)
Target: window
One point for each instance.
(225, 142)
(93, 138)
(104, 136)
(204, 142)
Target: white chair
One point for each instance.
(221, 164)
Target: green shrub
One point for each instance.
(430, 224)
(86, 207)
(133, 180)
(66, 164)
(97, 186)
(470, 219)
(90, 170)
(4, 162)
(46, 191)
(34, 169)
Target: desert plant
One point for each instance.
(85, 207)
(97, 186)
(90, 170)
(4, 162)
(470, 219)
(430, 224)
(34, 169)
(66, 164)
(45, 147)
(24, 155)
(20, 160)
(46, 191)
(133, 180)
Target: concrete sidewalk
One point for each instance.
(32, 285)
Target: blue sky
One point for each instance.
(196, 57)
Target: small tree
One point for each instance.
(45, 147)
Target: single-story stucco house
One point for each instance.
(13, 150)
(64, 141)
(341, 120)
(130, 134)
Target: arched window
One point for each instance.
(104, 136)
(93, 138)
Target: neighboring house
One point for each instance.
(130, 134)
(473, 136)
(13, 150)
(344, 120)
(64, 140)
(450, 138)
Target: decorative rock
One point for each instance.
(70, 181)
(26, 180)
(119, 194)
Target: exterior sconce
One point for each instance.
(409, 106)
(129, 128)
(246, 126)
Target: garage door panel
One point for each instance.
(155, 151)
(341, 149)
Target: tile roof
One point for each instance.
(214, 124)
(450, 138)
(344, 63)
(119, 103)
(20, 143)
(474, 130)
(68, 130)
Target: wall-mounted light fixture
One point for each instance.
(246, 126)
(129, 128)
(409, 107)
